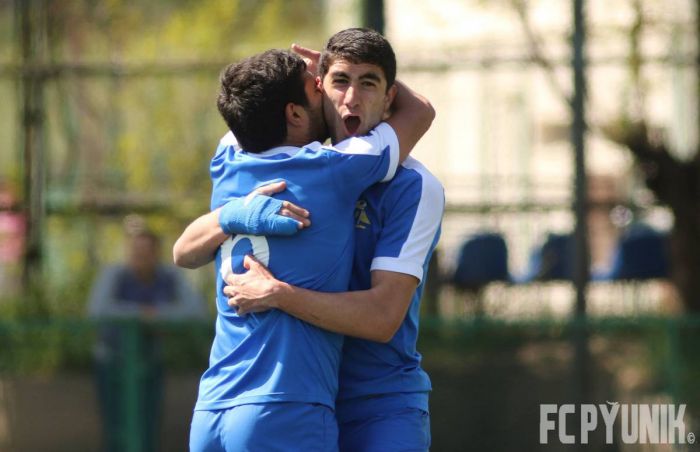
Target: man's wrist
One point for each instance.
(281, 294)
(216, 212)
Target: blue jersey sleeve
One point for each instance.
(412, 217)
(359, 162)
(225, 151)
(227, 143)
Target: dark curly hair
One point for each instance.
(254, 94)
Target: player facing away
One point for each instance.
(272, 378)
(382, 402)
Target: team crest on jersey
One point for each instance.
(361, 218)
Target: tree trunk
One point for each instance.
(676, 184)
(685, 257)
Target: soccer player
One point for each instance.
(382, 403)
(272, 378)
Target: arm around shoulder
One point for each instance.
(412, 116)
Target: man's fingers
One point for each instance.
(254, 265)
(299, 214)
(272, 188)
(300, 211)
(304, 222)
(288, 209)
(286, 225)
(311, 57)
(240, 310)
(251, 262)
(234, 303)
(305, 52)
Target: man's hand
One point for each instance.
(198, 243)
(311, 57)
(260, 214)
(288, 209)
(254, 291)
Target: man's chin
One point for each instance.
(358, 133)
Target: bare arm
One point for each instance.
(375, 314)
(198, 243)
(411, 118)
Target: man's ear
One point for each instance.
(294, 114)
(388, 101)
(319, 82)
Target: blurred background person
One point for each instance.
(140, 293)
(12, 240)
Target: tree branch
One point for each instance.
(536, 52)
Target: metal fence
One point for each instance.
(489, 378)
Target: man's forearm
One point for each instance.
(375, 314)
(198, 243)
(358, 313)
(411, 117)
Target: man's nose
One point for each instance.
(351, 97)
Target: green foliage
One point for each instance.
(138, 129)
(152, 135)
(40, 347)
(9, 166)
(132, 30)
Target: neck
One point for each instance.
(295, 143)
(297, 136)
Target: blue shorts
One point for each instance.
(279, 426)
(385, 426)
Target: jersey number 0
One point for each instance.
(243, 244)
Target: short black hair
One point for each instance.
(360, 45)
(254, 94)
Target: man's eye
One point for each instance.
(369, 84)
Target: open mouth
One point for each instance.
(352, 124)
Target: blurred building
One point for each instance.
(130, 125)
(499, 76)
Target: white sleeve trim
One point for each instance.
(425, 225)
(398, 265)
(393, 141)
(379, 138)
(229, 139)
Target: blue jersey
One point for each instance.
(271, 356)
(397, 225)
